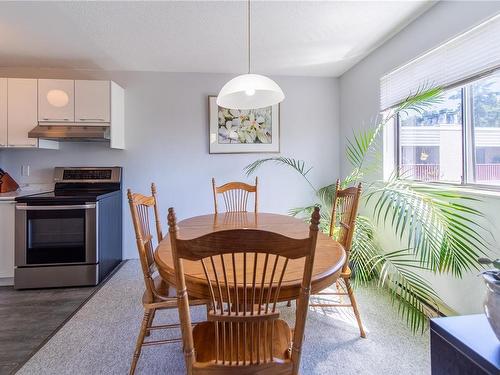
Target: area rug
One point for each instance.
(100, 338)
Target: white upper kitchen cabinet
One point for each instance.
(3, 112)
(22, 114)
(83, 102)
(92, 101)
(21, 111)
(56, 100)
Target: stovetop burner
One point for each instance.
(79, 185)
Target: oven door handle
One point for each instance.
(60, 207)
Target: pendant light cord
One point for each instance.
(248, 14)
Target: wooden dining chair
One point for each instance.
(158, 294)
(344, 212)
(235, 195)
(243, 269)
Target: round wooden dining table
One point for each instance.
(329, 257)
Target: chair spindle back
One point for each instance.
(235, 195)
(344, 212)
(140, 208)
(244, 269)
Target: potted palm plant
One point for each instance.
(438, 226)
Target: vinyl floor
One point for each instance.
(28, 318)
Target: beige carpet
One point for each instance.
(100, 338)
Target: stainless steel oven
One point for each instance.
(73, 235)
(56, 235)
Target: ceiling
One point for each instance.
(306, 38)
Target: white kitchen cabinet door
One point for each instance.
(92, 101)
(7, 234)
(56, 100)
(21, 111)
(3, 112)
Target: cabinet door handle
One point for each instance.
(92, 119)
(55, 119)
(20, 145)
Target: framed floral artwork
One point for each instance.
(243, 130)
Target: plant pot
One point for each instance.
(492, 303)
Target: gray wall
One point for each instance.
(167, 142)
(359, 102)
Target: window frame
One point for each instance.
(468, 152)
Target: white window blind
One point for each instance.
(467, 55)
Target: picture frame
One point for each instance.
(243, 131)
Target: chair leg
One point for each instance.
(150, 322)
(140, 340)
(340, 289)
(289, 304)
(354, 307)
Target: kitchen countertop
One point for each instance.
(28, 189)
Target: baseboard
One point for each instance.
(6, 281)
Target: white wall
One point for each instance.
(359, 102)
(167, 142)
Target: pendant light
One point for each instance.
(249, 91)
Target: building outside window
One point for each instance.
(485, 129)
(457, 140)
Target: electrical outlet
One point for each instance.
(25, 170)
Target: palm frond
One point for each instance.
(364, 143)
(443, 233)
(355, 175)
(363, 147)
(365, 248)
(297, 165)
(414, 296)
(326, 193)
(424, 98)
(357, 149)
(305, 214)
(300, 211)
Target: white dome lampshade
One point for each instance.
(250, 91)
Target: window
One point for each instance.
(485, 126)
(430, 142)
(456, 141)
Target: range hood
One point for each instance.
(71, 133)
